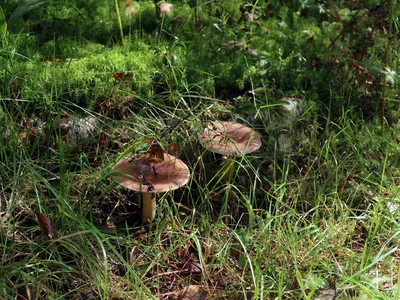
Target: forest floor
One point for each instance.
(313, 213)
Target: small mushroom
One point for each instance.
(150, 177)
(130, 8)
(230, 139)
(164, 9)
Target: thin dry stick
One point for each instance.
(119, 23)
(346, 25)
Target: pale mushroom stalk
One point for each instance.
(149, 206)
(229, 163)
(228, 168)
(149, 198)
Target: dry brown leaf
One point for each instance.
(175, 149)
(45, 225)
(122, 76)
(155, 153)
(49, 59)
(193, 292)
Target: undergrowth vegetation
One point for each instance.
(313, 214)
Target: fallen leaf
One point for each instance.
(45, 225)
(49, 59)
(193, 292)
(122, 76)
(328, 294)
(155, 153)
(175, 149)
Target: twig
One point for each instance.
(119, 23)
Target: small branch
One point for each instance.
(119, 23)
(344, 28)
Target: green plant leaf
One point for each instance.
(3, 24)
(345, 14)
(22, 9)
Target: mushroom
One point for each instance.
(230, 139)
(130, 8)
(163, 9)
(151, 177)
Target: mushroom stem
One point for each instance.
(149, 207)
(227, 168)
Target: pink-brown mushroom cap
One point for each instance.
(228, 138)
(137, 174)
(164, 8)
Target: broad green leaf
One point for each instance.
(22, 9)
(345, 14)
(3, 24)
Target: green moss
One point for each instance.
(65, 48)
(85, 79)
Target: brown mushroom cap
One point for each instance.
(228, 138)
(137, 174)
